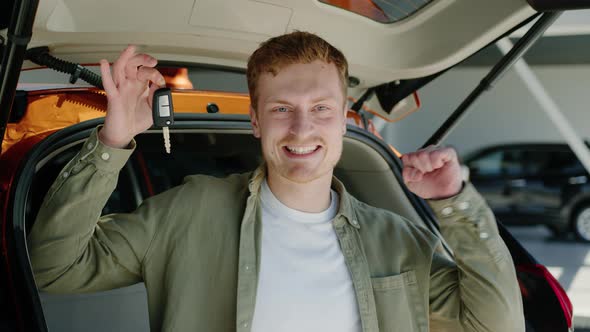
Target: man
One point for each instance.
(285, 248)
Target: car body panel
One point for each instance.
(51, 110)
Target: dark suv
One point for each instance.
(532, 184)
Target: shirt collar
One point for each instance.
(344, 207)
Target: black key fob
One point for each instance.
(162, 109)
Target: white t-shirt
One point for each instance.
(303, 282)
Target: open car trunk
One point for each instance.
(219, 145)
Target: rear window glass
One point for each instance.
(553, 162)
(489, 164)
(496, 163)
(382, 11)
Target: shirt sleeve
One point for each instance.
(479, 289)
(71, 247)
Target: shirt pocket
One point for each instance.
(399, 303)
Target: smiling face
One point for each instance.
(300, 119)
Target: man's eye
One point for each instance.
(281, 109)
(322, 108)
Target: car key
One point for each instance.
(163, 113)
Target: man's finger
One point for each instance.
(142, 60)
(429, 158)
(120, 63)
(411, 174)
(419, 160)
(147, 74)
(404, 159)
(136, 62)
(107, 79)
(424, 162)
(153, 88)
(443, 156)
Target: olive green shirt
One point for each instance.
(196, 247)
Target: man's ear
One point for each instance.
(344, 120)
(254, 122)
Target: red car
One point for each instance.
(394, 48)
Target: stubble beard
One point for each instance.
(302, 174)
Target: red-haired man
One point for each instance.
(285, 248)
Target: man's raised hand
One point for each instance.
(432, 172)
(129, 89)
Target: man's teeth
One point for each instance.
(301, 150)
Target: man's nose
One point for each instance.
(302, 123)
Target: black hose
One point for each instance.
(41, 56)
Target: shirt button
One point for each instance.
(89, 146)
(484, 235)
(355, 222)
(105, 156)
(245, 324)
(447, 211)
(463, 206)
(65, 174)
(247, 267)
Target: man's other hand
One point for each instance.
(433, 172)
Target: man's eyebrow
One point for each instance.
(277, 101)
(315, 100)
(324, 98)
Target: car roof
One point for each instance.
(225, 32)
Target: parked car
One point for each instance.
(534, 184)
(394, 48)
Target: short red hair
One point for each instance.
(292, 48)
